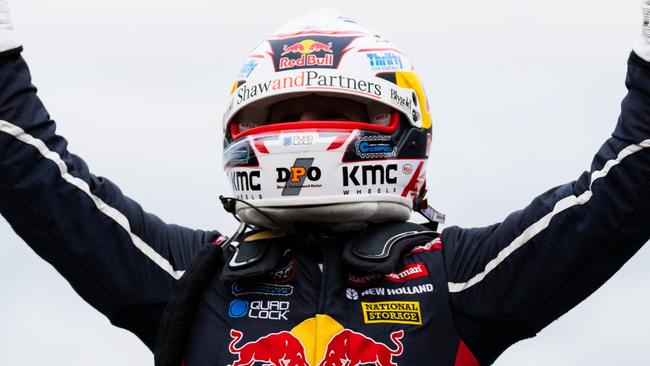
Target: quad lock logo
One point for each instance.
(260, 309)
(298, 140)
(296, 177)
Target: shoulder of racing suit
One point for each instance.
(376, 249)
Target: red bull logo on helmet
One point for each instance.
(306, 49)
(318, 51)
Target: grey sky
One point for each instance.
(522, 92)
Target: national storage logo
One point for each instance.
(401, 312)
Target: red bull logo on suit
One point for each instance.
(332, 345)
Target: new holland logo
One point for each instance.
(401, 312)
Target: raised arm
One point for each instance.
(510, 280)
(119, 258)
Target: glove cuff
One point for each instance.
(642, 44)
(8, 37)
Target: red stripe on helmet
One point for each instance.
(338, 142)
(259, 145)
(412, 186)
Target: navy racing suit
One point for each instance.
(459, 299)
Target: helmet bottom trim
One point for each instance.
(353, 213)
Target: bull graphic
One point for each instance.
(277, 349)
(349, 348)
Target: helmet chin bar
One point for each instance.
(348, 216)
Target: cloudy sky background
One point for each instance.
(523, 93)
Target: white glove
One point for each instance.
(8, 39)
(642, 44)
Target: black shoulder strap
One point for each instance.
(378, 248)
(177, 319)
(254, 253)
(249, 255)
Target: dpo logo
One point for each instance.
(295, 177)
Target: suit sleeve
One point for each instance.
(509, 280)
(120, 259)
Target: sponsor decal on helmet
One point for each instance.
(375, 147)
(352, 294)
(245, 183)
(239, 155)
(401, 312)
(369, 175)
(246, 288)
(294, 178)
(246, 180)
(308, 79)
(247, 69)
(308, 52)
(259, 309)
(387, 61)
(297, 140)
(401, 100)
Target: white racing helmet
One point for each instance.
(327, 171)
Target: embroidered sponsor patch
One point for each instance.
(409, 272)
(244, 288)
(435, 244)
(352, 294)
(401, 312)
(406, 273)
(283, 274)
(260, 309)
